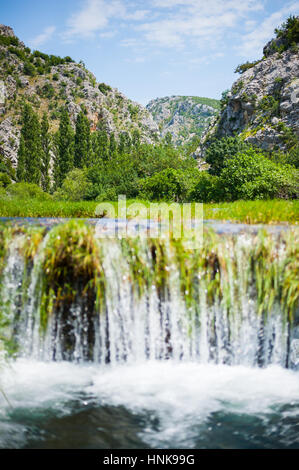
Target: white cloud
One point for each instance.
(200, 20)
(107, 34)
(95, 15)
(253, 42)
(43, 37)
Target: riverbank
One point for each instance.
(249, 212)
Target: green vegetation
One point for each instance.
(22, 203)
(104, 88)
(288, 32)
(248, 65)
(221, 271)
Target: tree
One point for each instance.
(250, 175)
(112, 146)
(30, 149)
(64, 161)
(46, 147)
(124, 145)
(21, 160)
(222, 149)
(82, 141)
(103, 144)
(74, 187)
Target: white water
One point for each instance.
(183, 373)
(180, 398)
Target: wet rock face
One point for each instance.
(72, 85)
(263, 101)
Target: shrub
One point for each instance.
(74, 187)
(5, 180)
(243, 67)
(222, 149)
(29, 69)
(169, 185)
(104, 88)
(251, 175)
(27, 191)
(207, 189)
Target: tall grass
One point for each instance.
(250, 212)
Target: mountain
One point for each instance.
(263, 104)
(49, 83)
(184, 117)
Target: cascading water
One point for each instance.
(150, 327)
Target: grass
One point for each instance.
(250, 212)
(255, 212)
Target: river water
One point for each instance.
(226, 379)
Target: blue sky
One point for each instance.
(152, 48)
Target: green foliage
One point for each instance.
(269, 105)
(64, 160)
(5, 180)
(167, 185)
(250, 175)
(248, 65)
(82, 149)
(27, 191)
(208, 188)
(74, 188)
(46, 148)
(29, 69)
(289, 31)
(9, 41)
(222, 149)
(224, 99)
(104, 88)
(30, 149)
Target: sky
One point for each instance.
(152, 48)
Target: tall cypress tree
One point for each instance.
(21, 160)
(30, 150)
(82, 141)
(103, 143)
(64, 161)
(112, 145)
(46, 147)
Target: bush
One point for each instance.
(221, 150)
(168, 185)
(253, 176)
(207, 189)
(289, 31)
(5, 180)
(74, 187)
(27, 191)
(104, 88)
(243, 67)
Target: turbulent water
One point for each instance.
(132, 344)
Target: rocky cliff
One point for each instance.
(263, 104)
(51, 82)
(184, 117)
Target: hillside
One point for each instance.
(50, 83)
(263, 104)
(184, 117)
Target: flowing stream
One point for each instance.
(138, 343)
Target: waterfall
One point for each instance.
(67, 295)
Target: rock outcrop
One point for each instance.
(184, 117)
(263, 104)
(49, 83)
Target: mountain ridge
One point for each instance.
(183, 117)
(49, 83)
